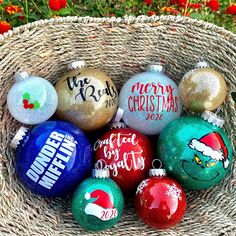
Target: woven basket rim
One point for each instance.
(119, 20)
(210, 212)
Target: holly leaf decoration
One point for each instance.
(26, 96)
(36, 105)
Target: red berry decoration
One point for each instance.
(25, 101)
(31, 106)
(128, 155)
(160, 201)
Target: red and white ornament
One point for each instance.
(128, 155)
(160, 201)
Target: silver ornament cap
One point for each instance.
(101, 174)
(116, 122)
(156, 68)
(21, 76)
(117, 125)
(18, 137)
(213, 118)
(202, 64)
(157, 172)
(76, 65)
(101, 170)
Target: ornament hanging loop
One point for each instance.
(157, 172)
(153, 163)
(101, 165)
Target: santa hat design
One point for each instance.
(211, 145)
(102, 198)
(102, 202)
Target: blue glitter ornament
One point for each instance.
(31, 100)
(52, 158)
(150, 101)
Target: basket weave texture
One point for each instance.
(121, 47)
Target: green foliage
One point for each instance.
(33, 10)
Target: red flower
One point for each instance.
(63, 3)
(151, 13)
(174, 12)
(4, 27)
(148, 2)
(213, 4)
(1, 1)
(12, 9)
(173, 2)
(231, 9)
(57, 5)
(182, 3)
(195, 5)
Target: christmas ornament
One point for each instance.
(196, 151)
(150, 101)
(31, 100)
(87, 97)
(203, 88)
(98, 203)
(160, 201)
(52, 158)
(128, 155)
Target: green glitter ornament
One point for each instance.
(98, 202)
(196, 151)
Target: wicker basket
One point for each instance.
(121, 47)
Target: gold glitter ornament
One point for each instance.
(87, 97)
(203, 88)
